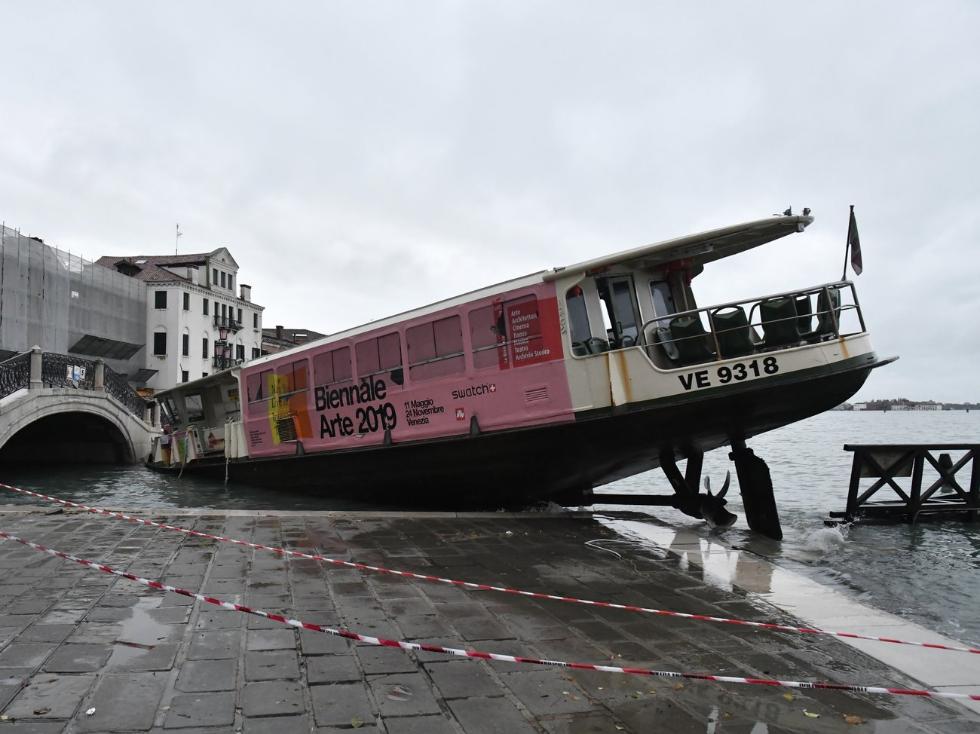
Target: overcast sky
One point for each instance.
(361, 158)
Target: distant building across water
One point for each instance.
(901, 405)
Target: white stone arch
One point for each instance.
(58, 401)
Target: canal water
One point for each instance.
(928, 574)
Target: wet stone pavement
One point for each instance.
(74, 640)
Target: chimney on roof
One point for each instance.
(192, 272)
(246, 291)
(278, 331)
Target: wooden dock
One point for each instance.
(912, 482)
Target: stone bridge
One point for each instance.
(63, 409)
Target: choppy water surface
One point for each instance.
(929, 574)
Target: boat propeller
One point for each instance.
(712, 506)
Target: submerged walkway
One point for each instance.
(82, 651)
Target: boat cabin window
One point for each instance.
(485, 336)
(194, 407)
(663, 305)
(578, 320)
(257, 385)
(620, 310)
(332, 367)
(168, 412)
(292, 378)
(435, 349)
(378, 355)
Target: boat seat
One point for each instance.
(779, 322)
(825, 321)
(690, 339)
(804, 313)
(595, 345)
(579, 349)
(731, 328)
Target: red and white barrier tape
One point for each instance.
(772, 626)
(476, 654)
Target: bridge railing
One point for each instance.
(63, 370)
(15, 374)
(117, 386)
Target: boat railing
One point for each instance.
(753, 326)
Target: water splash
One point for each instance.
(825, 540)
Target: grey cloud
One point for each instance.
(364, 158)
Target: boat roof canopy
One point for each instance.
(697, 249)
(224, 377)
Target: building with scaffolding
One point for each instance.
(158, 319)
(68, 305)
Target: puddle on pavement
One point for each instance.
(139, 634)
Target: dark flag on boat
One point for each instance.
(854, 245)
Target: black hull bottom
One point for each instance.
(560, 462)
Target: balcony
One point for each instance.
(224, 363)
(227, 322)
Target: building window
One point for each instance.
(185, 344)
(214, 276)
(184, 376)
(160, 343)
(204, 348)
(255, 321)
(206, 306)
(159, 299)
(256, 352)
(240, 352)
(435, 349)
(239, 317)
(223, 279)
(204, 374)
(231, 282)
(187, 301)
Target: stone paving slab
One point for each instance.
(73, 640)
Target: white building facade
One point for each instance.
(199, 318)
